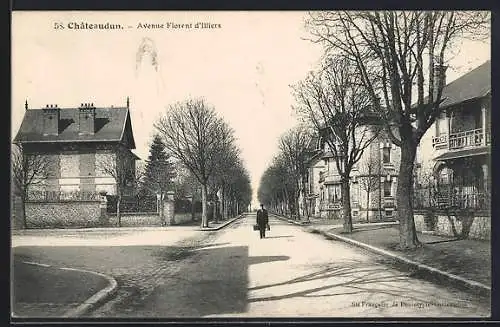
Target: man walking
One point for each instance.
(262, 220)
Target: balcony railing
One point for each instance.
(460, 140)
(466, 139)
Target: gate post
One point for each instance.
(168, 208)
(103, 205)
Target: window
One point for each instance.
(389, 213)
(387, 188)
(387, 155)
(355, 192)
(333, 193)
(441, 124)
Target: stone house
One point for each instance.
(79, 143)
(373, 180)
(456, 150)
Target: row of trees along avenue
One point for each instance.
(389, 64)
(205, 144)
(284, 180)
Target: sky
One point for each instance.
(243, 67)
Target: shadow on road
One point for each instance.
(39, 291)
(263, 259)
(356, 277)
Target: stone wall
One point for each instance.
(16, 212)
(136, 220)
(146, 219)
(480, 228)
(63, 214)
(182, 218)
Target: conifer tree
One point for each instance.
(159, 171)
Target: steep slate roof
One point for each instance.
(474, 84)
(111, 124)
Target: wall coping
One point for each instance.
(135, 213)
(441, 212)
(62, 201)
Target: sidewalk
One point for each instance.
(463, 262)
(43, 291)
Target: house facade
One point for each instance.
(315, 166)
(456, 150)
(82, 145)
(373, 180)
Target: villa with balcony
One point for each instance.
(458, 146)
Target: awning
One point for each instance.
(463, 153)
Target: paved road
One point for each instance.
(234, 273)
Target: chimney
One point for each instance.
(439, 77)
(86, 119)
(51, 120)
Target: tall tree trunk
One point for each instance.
(162, 210)
(296, 200)
(118, 213)
(304, 200)
(346, 205)
(24, 198)
(368, 205)
(296, 205)
(407, 232)
(193, 209)
(223, 202)
(216, 210)
(286, 200)
(204, 211)
(380, 186)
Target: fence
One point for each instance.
(148, 204)
(451, 198)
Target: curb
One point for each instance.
(95, 299)
(469, 284)
(223, 225)
(92, 301)
(291, 221)
(310, 224)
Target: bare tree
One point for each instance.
(196, 136)
(119, 164)
(276, 188)
(369, 181)
(391, 50)
(335, 103)
(294, 146)
(228, 169)
(28, 170)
